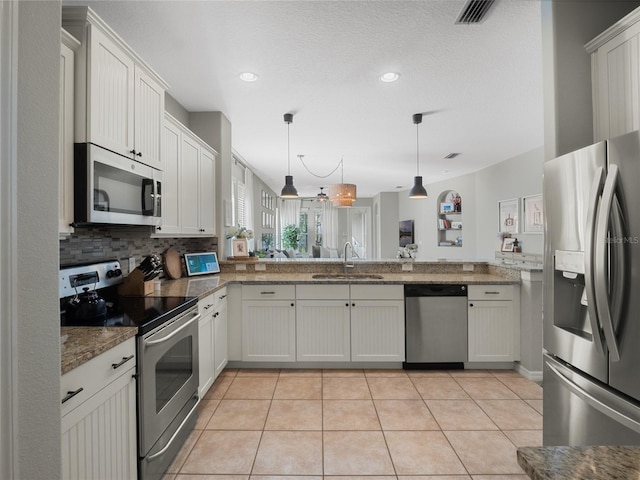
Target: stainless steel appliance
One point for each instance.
(435, 326)
(110, 188)
(167, 356)
(591, 295)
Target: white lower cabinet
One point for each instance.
(221, 348)
(212, 338)
(377, 323)
(323, 328)
(99, 416)
(206, 344)
(494, 324)
(268, 323)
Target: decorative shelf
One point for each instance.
(449, 213)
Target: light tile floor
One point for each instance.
(378, 424)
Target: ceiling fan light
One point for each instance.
(289, 191)
(418, 190)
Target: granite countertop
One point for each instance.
(84, 343)
(584, 463)
(207, 284)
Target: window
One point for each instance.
(239, 203)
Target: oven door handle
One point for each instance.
(150, 343)
(151, 458)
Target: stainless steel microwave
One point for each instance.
(113, 189)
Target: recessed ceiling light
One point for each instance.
(444, 172)
(248, 77)
(389, 77)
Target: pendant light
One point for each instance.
(288, 191)
(417, 191)
(342, 194)
(322, 197)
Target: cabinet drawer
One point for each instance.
(322, 292)
(490, 292)
(268, 292)
(220, 296)
(206, 304)
(97, 373)
(377, 292)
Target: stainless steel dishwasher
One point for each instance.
(435, 326)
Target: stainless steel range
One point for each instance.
(167, 352)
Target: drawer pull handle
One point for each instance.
(208, 306)
(267, 293)
(70, 395)
(221, 297)
(492, 293)
(122, 362)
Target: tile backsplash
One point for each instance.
(97, 244)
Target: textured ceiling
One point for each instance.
(321, 60)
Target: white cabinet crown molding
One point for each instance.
(78, 16)
(613, 31)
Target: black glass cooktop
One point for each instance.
(146, 313)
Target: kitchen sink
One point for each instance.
(343, 276)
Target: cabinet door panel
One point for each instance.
(377, 331)
(206, 353)
(221, 350)
(110, 116)
(268, 331)
(207, 183)
(99, 437)
(189, 195)
(323, 330)
(171, 185)
(149, 112)
(491, 331)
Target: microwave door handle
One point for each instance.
(601, 280)
(596, 189)
(147, 194)
(157, 200)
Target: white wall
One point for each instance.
(480, 191)
(518, 177)
(423, 212)
(37, 347)
(385, 224)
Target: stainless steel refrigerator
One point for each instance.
(592, 295)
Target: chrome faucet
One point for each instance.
(348, 261)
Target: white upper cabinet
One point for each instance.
(65, 179)
(188, 190)
(615, 76)
(120, 100)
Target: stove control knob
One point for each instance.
(110, 274)
(117, 272)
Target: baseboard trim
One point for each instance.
(534, 376)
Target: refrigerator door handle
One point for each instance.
(601, 283)
(589, 280)
(564, 374)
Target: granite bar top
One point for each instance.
(207, 284)
(583, 463)
(84, 343)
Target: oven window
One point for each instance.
(173, 370)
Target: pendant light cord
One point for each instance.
(288, 150)
(320, 176)
(417, 150)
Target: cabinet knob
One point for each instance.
(139, 154)
(158, 228)
(353, 304)
(346, 304)
(293, 304)
(471, 304)
(133, 151)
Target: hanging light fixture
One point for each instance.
(288, 191)
(342, 194)
(322, 197)
(418, 190)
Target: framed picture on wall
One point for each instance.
(406, 233)
(533, 214)
(508, 215)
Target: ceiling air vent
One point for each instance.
(452, 155)
(474, 11)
